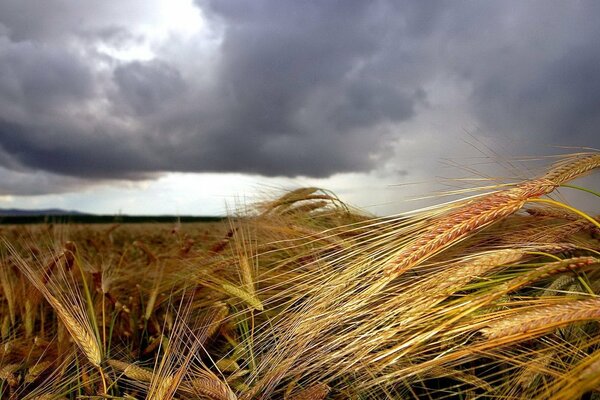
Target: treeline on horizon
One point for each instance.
(103, 219)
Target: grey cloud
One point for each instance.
(54, 21)
(144, 87)
(28, 183)
(60, 149)
(41, 79)
(294, 95)
(560, 102)
(294, 88)
(534, 70)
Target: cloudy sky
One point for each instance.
(187, 107)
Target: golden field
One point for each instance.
(304, 297)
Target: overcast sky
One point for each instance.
(176, 106)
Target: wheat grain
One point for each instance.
(553, 268)
(227, 365)
(75, 318)
(557, 284)
(534, 368)
(151, 302)
(579, 380)
(479, 266)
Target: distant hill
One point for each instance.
(55, 215)
(16, 212)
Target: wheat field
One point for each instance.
(494, 296)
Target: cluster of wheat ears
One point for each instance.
(302, 297)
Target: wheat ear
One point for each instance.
(36, 370)
(165, 389)
(468, 219)
(543, 319)
(251, 300)
(7, 282)
(7, 373)
(318, 391)
(572, 167)
(209, 386)
(131, 371)
(486, 210)
(86, 342)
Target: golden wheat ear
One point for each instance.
(486, 210)
(539, 320)
(131, 371)
(317, 391)
(68, 302)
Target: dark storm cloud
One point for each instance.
(293, 88)
(144, 87)
(535, 70)
(27, 183)
(38, 79)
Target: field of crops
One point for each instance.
(303, 297)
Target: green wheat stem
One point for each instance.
(582, 189)
(572, 209)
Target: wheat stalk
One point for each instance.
(580, 379)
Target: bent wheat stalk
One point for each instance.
(468, 219)
(484, 211)
(544, 319)
(74, 317)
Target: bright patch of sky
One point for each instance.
(165, 20)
